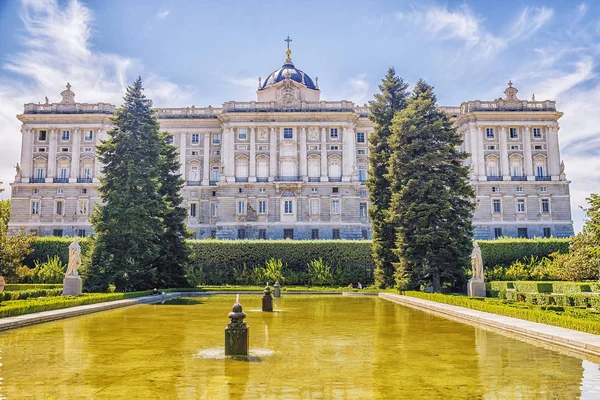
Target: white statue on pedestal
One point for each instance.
(477, 262)
(74, 258)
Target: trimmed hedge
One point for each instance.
(14, 287)
(505, 251)
(496, 287)
(26, 294)
(51, 246)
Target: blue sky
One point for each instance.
(207, 53)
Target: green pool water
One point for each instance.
(312, 347)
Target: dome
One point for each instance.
(294, 73)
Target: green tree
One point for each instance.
(391, 99)
(13, 248)
(130, 224)
(173, 250)
(432, 200)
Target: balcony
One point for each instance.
(518, 178)
(84, 180)
(543, 178)
(37, 180)
(335, 179)
(287, 179)
(262, 179)
(60, 180)
(193, 183)
(212, 183)
(314, 179)
(241, 179)
(494, 178)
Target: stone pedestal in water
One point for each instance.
(277, 290)
(267, 300)
(236, 333)
(476, 287)
(72, 285)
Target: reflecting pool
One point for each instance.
(311, 347)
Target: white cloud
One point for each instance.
(529, 22)
(162, 14)
(57, 50)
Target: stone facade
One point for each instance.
(290, 165)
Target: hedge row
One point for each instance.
(560, 300)
(506, 251)
(494, 288)
(14, 287)
(26, 294)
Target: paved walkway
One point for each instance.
(583, 342)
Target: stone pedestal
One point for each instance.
(277, 290)
(267, 300)
(476, 288)
(237, 340)
(72, 285)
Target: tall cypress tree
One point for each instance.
(432, 202)
(129, 225)
(173, 250)
(391, 99)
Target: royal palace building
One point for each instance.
(290, 165)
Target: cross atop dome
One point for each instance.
(288, 52)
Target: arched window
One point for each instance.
(241, 167)
(194, 171)
(39, 168)
(87, 168)
(314, 166)
(491, 166)
(516, 165)
(262, 168)
(215, 172)
(335, 167)
(63, 165)
(540, 165)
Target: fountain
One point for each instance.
(236, 332)
(277, 290)
(267, 299)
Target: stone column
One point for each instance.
(52, 142)
(26, 164)
(480, 154)
(553, 152)
(182, 154)
(272, 154)
(206, 160)
(504, 168)
(348, 154)
(472, 133)
(303, 162)
(75, 154)
(231, 156)
(527, 157)
(323, 154)
(224, 152)
(100, 135)
(252, 172)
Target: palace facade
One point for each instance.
(290, 165)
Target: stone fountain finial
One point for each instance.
(237, 314)
(267, 299)
(236, 332)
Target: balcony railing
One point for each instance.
(193, 183)
(60, 180)
(37, 180)
(262, 179)
(335, 179)
(543, 178)
(494, 178)
(287, 179)
(212, 183)
(314, 179)
(518, 178)
(241, 179)
(84, 180)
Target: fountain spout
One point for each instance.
(267, 300)
(236, 333)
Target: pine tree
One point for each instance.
(129, 225)
(391, 99)
(173, 250)
(432, 200)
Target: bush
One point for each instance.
(23, 286)
(26, 294)
(319, 273)
(52, 271)
(506, 251)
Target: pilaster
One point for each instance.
(553, 152)
(504, 169)
(527, 156)
(252, 172)
(182, 153)
(75, 155)
(323, 154)
(303, 162)
(231, 155)
(272, 153)
(348, 154)
(206, 160)
(26, 154)
(52, 143)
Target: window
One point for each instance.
(314, 234)
(65, 136)
(57, 232)
(314, 190)
(515, 147)
(60, 207)
(544, 189)
(193, 210)
(262, 206)
(497, 206)
(362, 173)
(215, 152)
(60, 191)
(519, 189)
(262, 234)
(214, 193)
(537, 132)
(83, 191)
(363, 193)
(261, 190)
(491, 147)
(288, 233)
(41, 173)
(335, 190)
(363, 209)
(214, 210)
(195, 138)
(42, 149)
(540, 170)
(335, 233)
(361, 151)
(87, 149)
(64, 149)
(89, 135)
(360, 137)
(87, 173)
(514, 134)
(333, 133)
(242, 133)
(547, 232)
(288, 133)
(83, 207)
(241, 190)
(495, 189)
(213, 233)
(334, 147)
(310, 147)
(215, 174)
(42, 136)
(497, 233)
(35, 207)
(62, 173)
(489, 133)
(520, 206)
(315, 206)
(241, 233)
(522, 232)
(288, 207)
(195, 152)
(538, 147)
(36, 191)
(81, 232)
(241, 207)
(335, 206)
(216, 138)
(545, 206)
